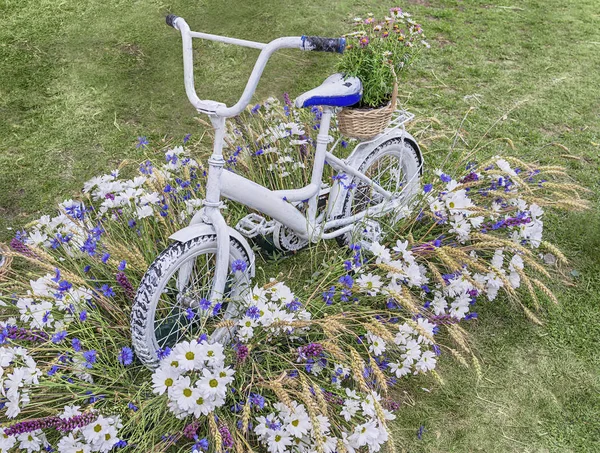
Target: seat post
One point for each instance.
(319, 162)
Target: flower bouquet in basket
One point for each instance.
(376, 52)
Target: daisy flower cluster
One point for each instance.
(195, 378)
(273, 309)
(290, 427)
(18, 373)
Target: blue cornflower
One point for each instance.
(133, 407)
(46, 317)
(126, 356)
(255, 109)
(202, 337)
(347, 281)
(131, 223)
(83, 315)
(87, 268)
(348, 265)
(202, 444)
(59, 336)
(105, 257)
(56, 278)
(345, 295)
(420, 432)
(216, 309)
(146, 168)
(427, 188)
(90, 358)
(239, 266)
(445, 178)
(76, 344)
(259, 152)
(186, 138)
(107, 291)
(294, 305)
(122, 265)
(162, 353)
(52, 371)
(339, 177)
(189, 314)
(328, 295)
(89, 246)
(64, 286)
(344, 144)
(142, 142)
(204, 304)
(257, 400)
(253, 312)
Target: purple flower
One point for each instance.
(186, 138)
(142, 142)
(445, 178)
(257, 400)
(90, 358)
(427, 188)
(76, 344)
(126, 356)
(59, 337)
(146, 168)
(328, 295)
(216, 309)
(122, 265)
(163, 353)
(253, 312)
(347, 281)
(124, 283)
(242, 352)
(255, 109)
(83, 315)
(420, 432)
(189, 314)
(239, 266)
(105, 257)
(107, 291)
(310, 350)
(204, 304)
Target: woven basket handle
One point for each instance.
(394, 96)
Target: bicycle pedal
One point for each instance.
(253, 224)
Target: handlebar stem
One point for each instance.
(218, 108)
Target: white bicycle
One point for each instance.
(209, 265)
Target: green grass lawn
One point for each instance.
(80, 80)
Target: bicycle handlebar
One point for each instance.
(309, 43)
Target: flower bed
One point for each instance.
(312, 367)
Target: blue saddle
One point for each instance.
(335, 91)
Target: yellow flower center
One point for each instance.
(200, 401)
(295, 422)
(98, 428)
(213, 383)
(187, 393)
(107, 437)
(277, 438)
(168, 382)
(189, 355)
(210, 353)
(451, 204)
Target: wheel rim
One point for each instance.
(388, 172)
(172, 320)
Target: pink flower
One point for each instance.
(364, 41)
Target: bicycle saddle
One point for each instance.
(335, 91)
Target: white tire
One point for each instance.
(159, 303)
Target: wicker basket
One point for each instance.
(367, 123)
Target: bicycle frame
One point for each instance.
(276, 204)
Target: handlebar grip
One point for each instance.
(170, 19)
(320, 44)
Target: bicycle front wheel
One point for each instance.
(172, 302)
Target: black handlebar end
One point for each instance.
(320, 44)
(170, 19)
